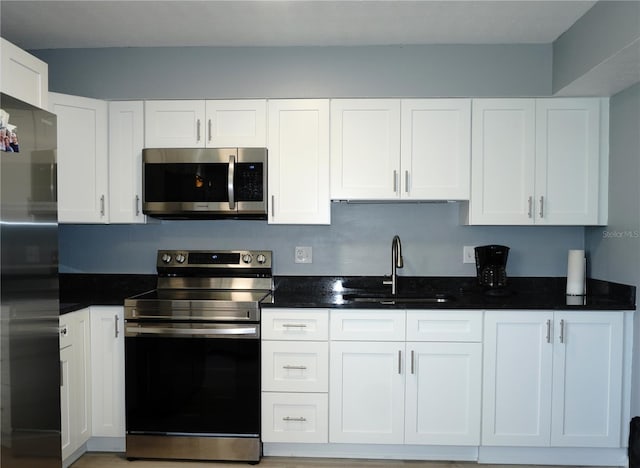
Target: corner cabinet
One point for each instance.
(82, 158)
(391, 149)
(23, 76)
(298, 143)
(553, 379)
(538, 161)
(200, 124)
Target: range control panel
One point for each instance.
(207, 259)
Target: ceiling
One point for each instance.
(94, 23)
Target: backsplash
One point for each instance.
(358, 242)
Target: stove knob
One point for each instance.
(261, 259)
(180, 258)
(246, 258)
(166, 258)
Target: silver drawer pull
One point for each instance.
(289, 418)
(295, 367)
(294, 325)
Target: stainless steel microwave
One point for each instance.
(204, 183)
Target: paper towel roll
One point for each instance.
(576, 271)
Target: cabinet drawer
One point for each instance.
(295, 417)
(295, 324)
(368, 325)
(445, 325)
(295, 366)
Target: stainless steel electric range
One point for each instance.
(192, 357)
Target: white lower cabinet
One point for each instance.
(75, 388)
(107, 365)
(295, 363)
(553, 379)
(387, 390)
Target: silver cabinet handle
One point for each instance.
(530, 212)
(288, 367)
(102, 205)
(289, 418)
(273, 206)
(561, 331)
(198, 130)
(209, 130)
(542, 207)
(400, 362)
(413, 369)
(406, 181)
(137, 205)
(395, 181)
(548, 337)
(294, 325)
(232, 170)
(115, 320)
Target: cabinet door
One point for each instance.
(67, 401)
(107, 364)
(174, 124)
(365, 149)
(587, 379)
(567, 161)
(502, 161)
(82, 158)
(299, 161)
(23, 76)
(81, 376)
(236, 123)
(436, 149)
(516, 401)
(443, 393)
(126, 140)
(366, 392)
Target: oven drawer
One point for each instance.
(295, 324)
(295, 417)
(295, 367)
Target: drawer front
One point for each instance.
(368, 325)
(445, 325)
(295, 417)
(289, 366)
(295, 324)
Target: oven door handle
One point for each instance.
(227, 332)
(230, 182)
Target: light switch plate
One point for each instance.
(304, 255)
(468, 254)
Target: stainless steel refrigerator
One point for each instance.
(29, 342)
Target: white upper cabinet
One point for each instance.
(199, 124)
(126, 140)
(23, 76)
(567, 161)
(365, 149)
(536, 161)
(82, 158)
(299, 161)
(391, 149)
(435, 149)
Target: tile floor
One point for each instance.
(112, 460)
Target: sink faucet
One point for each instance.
(396, 262)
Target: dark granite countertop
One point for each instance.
(463, 293)
(78, 291)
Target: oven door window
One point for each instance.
(192, 385)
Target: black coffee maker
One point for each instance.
(491, 263)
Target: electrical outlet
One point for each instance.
(303, 255)
(468, 254)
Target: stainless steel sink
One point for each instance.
(398, 299)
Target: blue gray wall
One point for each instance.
(359, 238)
(615, 250)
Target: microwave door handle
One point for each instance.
(232, 169)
